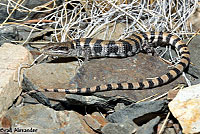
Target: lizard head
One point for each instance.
(64, 49)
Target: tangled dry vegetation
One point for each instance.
(86, 18)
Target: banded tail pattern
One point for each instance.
(127, 47)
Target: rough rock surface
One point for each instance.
(103, 71)
(95, 121)
(96, 101)
(186, 108)
(11, 56)
(139, 112)
(148, 128)
(85, 100)
(20, 14)
(131, 69)
(127, 127)
(194, 71)
(49, 76)
(46, 120)
(98, 117)
(10, 33)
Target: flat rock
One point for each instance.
(45, 120)
(8, 32)
(106, 103)
(127, 127)
(95, 121)
(194, 71)
(131, 69)
(11, 56)
(119, 106)
(49, 75)
(186, 108)
(99, 118)
(170, 131)
(102, 71)
(84, 100)
(22, 14)
(140, 112)
(148, 128)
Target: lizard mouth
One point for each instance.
(63, 49)
(58, 48)
(59, 53)
(56, 51)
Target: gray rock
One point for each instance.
(18, 15)
(139, 112)
(38, 96)
(194, 71)
(148, 128)
(127, 127)
(58, 75)
(76, 124)
(169, 131)
(99, 118)
(84, 100)
(100, 71)
(27, 99)
(11, 56)
(119, 106)
(8, 33)
(107, 103)
(130, 69)
(193, 74)
(46, 120)
(194, 51)
(93, 123)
